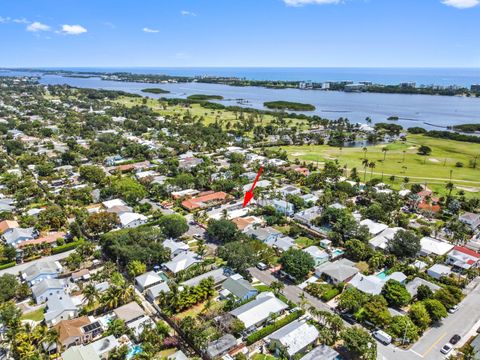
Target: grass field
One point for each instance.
(37, 315)
(209, 115)
(402, 160)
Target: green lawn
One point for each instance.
(263, 357)
(304, 242)
(402, 161)
(37, 315)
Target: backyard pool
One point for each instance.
(134, 350)
(382, 275)
(336, 253)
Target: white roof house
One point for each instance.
(439, 270)
(176, 247)
(374, 228)
(115, 202)
(131, 219)
(431, 246)
(149, 279)
(381, 240)
(260, 184)
(295, 336)
(182, 261)
(259, 310)
(368, 284)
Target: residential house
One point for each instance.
(137, 326)
(258, 311)
(77, 331)
(59, 307)
(412, 286)
(129, 312)
(7, 225)
(320, 256)
(153, 292)
(337, 272)
(176, 247)
(132, 220)
(371, 284)
(220, 347)
(260, 184)
(322, 352)
(48, 287)
(114, 202)
(294, 337)
(267, 234)
(204, 200)
(147, 280)
(289, 190)
(40, 271)
(16, 236)
(80, 353)
(218, 276)
(307, 216)
(282, 243)
(244, 224)
(380, 241)
(237, 286)
(437, 271)
(181, 262)
(374, 228)
(103, 347)
(281, 206)
(462, 258)
(434, 247)
(471, 219)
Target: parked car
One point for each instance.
(349, 318)
(453, 309)
(446, 349)
(382, 336)
(455, 338)
(262, 266)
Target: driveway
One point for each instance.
(291, 292)
(21, 267)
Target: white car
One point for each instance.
(453, 309)
(446, 349)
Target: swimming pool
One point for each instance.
(134, 350)
(382, 275)
(336, 253)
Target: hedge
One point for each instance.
(7, 265)
(66, 247)
(267, 330)
(330, 294)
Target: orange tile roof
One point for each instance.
(199, 202)
(8, 224)
(70, 328)
(49, 238)
(242, 223)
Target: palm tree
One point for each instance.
(384, 150)
(371, 166)
(365, 149)
(277, 287)
(365, 164)
(90, 295)
(450, 186)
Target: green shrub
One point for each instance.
(267, 330)
(66, 247)
(7, 265)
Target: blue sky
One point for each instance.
(283, 33)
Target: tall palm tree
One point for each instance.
(450, 186)
(365, 149)
(365, 164)
(90, 295)
(384, 150)
(371, 165)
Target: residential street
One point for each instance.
(429, 345)
(20, 267)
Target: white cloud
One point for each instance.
(462, 4)
(148, 30)
(37, 26)
(308, 2)
(187, 13)
(72, 30)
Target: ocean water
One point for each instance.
(430, 112)
(425, 76)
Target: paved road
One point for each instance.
(291, 292)
(20, 267)
(428, 346)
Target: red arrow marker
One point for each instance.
(249, 193)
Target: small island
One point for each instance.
(287, 105)
(204, 97)
(393, 118)
(155, 91)
(467, 128)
